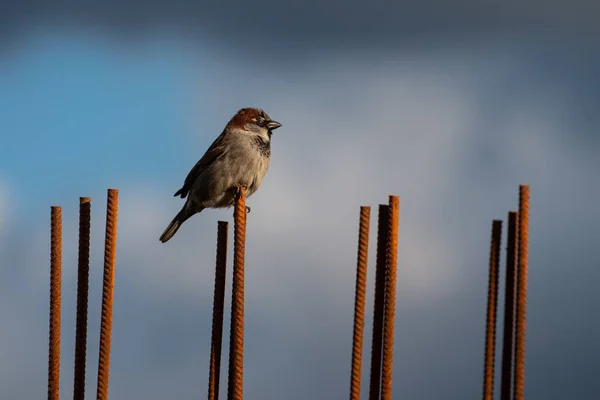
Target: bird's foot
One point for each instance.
(237, 190)
(248, 209)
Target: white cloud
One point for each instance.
(408, 133)
(323, 168)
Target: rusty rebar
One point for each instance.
(359, 302)
(521, 320)
(55, 300)
(218, 305)
(236, 345)
(492, 304)
(378, 303)
(83, 273)
(509, 308)
(110, 248)
(391, 265)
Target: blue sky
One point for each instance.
(79, 112)
(451, 119)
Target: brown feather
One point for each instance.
(216, 150)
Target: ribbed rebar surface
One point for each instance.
(110, 247)
(359, 302)
(509, 308)
(522, 257)
(218, 305)
(236, 345)
(378, 303)
(391, 265)
(55, 300)
(83, 272)
(492, 303)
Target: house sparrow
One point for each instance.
(238, 157)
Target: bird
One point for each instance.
(239, 157)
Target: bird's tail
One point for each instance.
(176, 223)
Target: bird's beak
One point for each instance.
(271, 125)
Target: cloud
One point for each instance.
(426, 127)
(351, 142)
(258, 26)
(323, 168)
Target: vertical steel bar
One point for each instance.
(492, 303)
(55, 302)
(110, 247)
(509, 308)
(391, 265)
(378, 306)
(218, 305)
(359, 302)
(236, 345)
(83, 271)
(522, 259)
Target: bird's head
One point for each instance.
(254, 121)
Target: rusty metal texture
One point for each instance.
(55, 301)
(83, 272)
(509, 308)
(492, 304)
(391, 265)
(378, 303)
(522, 259)
(218, 305)
(236, 345)
(110, 248)
(359, 302)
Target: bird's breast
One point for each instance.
(263, 145)
(260, 169)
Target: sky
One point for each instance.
(449, 107)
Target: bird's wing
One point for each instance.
(216, 150)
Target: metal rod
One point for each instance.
(509, 308)
(391, 264)
(83, 271)
(359, 302)
(492, 304)
(236, 345)
(218, 306)
(378, 306)
(110, 246)
(521, 320)
(55, 302)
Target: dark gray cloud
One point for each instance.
(255, 26)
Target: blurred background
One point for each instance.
(451, 105)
